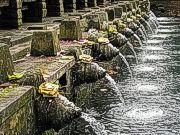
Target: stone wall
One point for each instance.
(17, 112)
(166, 7)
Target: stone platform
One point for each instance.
(52, 68)
(17, 111)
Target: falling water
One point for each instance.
(138, 39)
(132, 49)
(144, 30)
(114, 85)
(150, 28)
(152, 15)
(153, 23)
(127, 64)
(97, 127)
(142, 33)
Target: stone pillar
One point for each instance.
(54, 7)
(11, 16)
(6, 63)
(35, 12)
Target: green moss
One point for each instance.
(5, 91)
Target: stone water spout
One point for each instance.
(145, 24)
(129, 34)
(53, 113)
(117, 39)
(87, 73)
(136, 29)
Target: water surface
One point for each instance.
(151, 99)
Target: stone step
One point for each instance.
(20, 39)
(20, 51)
(54, 67)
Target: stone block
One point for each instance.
(103, 16)
(45, 42)
(93, 21)
(70, 29)
(6, 63)
(17, 112)
(118, 12)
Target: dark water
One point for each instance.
(151, 100)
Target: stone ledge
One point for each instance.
(54, 67)
(20, 51)
(13, 101)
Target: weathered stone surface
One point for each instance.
(40, 69)
(87, 73)
(20, 51)
(17, 112)
(6, 64)
(104, 51)
(93, 21)
(45, 42)
(37, 27)
(73, 50)
(118, 12)
(55, 114)
(70, 29)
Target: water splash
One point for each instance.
(68, 104)
(127, 64)
(97, 127)
(138, 39)
(114, 85)
(132, 49)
